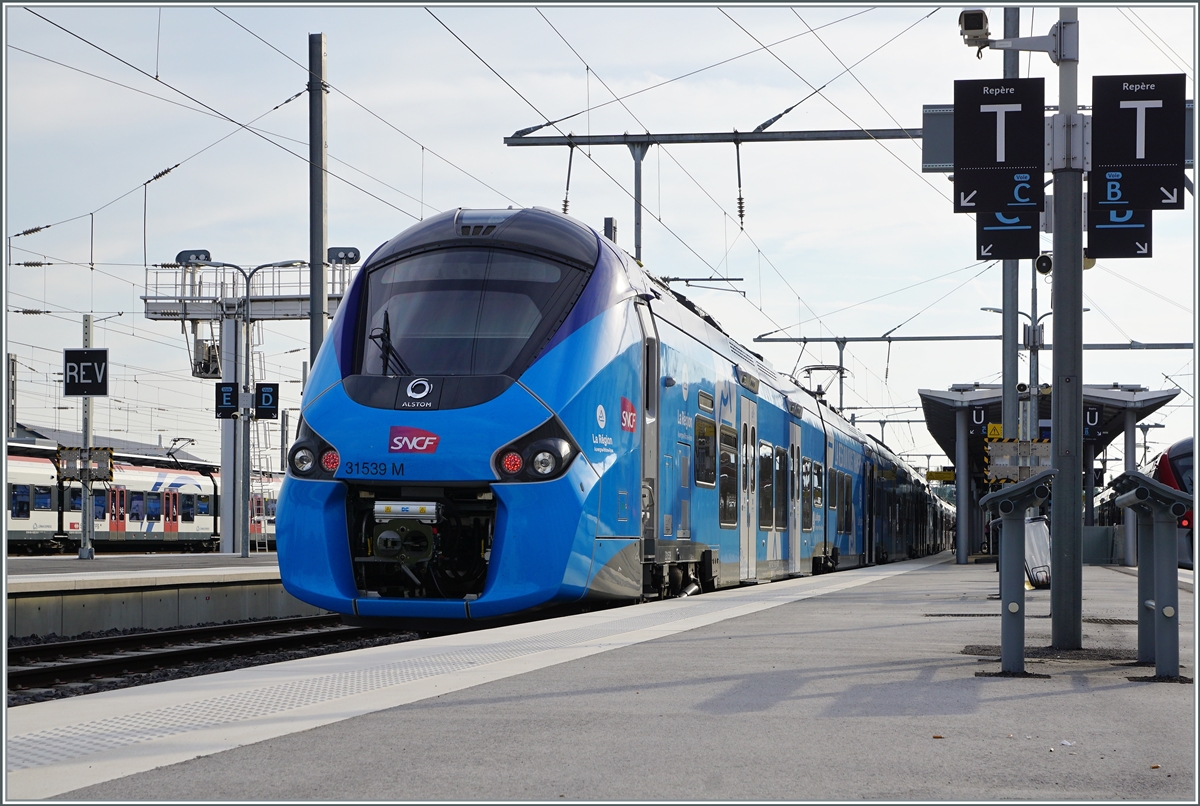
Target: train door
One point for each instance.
(170, 512)
(116, 512)
(869, 513)
(748, 505)
(795, 504)
(256, 514)
(683, 491)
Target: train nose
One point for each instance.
(384, 441)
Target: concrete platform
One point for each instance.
(848, 686)
(69, 596)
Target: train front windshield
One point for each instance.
(467, 311)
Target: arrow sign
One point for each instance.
(1001, 236)
(1138, 125)
(1120, 234)
(999, 145)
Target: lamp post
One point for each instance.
(1033, 343)
(246, 400)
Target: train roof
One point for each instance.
(49, 452)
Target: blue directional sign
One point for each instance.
(1000, 236)
(1138, 126)
(999, 145)
(266, 401)
(1120, 233)
(227, 401)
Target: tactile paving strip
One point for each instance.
(72, 741)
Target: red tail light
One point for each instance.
(512, 463)
(1186, 521)
(330, 460)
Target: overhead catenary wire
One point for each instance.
(241, 126)
(370, 112)
(709, 195)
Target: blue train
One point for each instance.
(510, 417)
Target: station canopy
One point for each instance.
(1112, 401)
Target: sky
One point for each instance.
(838, 239)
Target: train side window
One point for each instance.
(271, 506)
(204, 505)
(137, 506)
(766, 486)
(745, 464)
(99, 505)
(154, 506)
(728, 491)
(806, 494)
(75, 500)
(835, 487)
(848, 497)
(818, 485)
(187, 507)
(781, 488)
(41, 498)
(706, 452)
(18, 501)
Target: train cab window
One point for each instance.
(818, 485)
(781, 488)
(18, 501)
(154, 506)
(469, 311)
(203, 505)
(137, 506)
(187, 507)
(75, 500)
(706, 452)
(806, 494)
(728, 491)
(766, 486)
(42, 499)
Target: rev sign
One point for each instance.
(1137, 143)
(999, 149)
(85, 372)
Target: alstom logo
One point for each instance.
(402, 439)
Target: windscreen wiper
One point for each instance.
(387, 351)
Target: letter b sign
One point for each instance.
(266, 401)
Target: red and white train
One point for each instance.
(152, 503)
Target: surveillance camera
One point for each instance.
(973, 25)
(1044, 263)
(1022, 388)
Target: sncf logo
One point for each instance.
(402, 439)
(628, 415)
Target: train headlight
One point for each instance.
(330, 460)
(543, 463)
(511, 463)
(304, 460)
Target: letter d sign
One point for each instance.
(266, 401)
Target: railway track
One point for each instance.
(45, 665)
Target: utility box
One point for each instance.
(1099, 545)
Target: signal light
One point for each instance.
(512, 463)
(1185, 522)
(330, 460)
